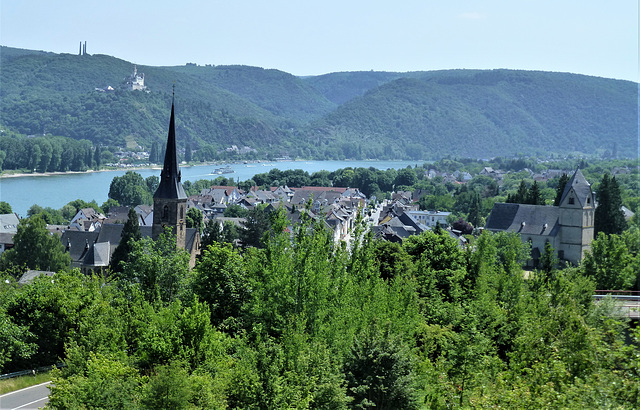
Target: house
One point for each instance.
(8, 228)
(145, 214)
(430, 218)
(87, 219)
(567, 227)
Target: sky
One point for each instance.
(592, 37)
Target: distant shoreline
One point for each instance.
(47, 174)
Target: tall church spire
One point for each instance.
(170, 186)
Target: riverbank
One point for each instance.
(11, 174)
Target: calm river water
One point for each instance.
(57, 190)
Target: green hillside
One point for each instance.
(418, 115)
(486, 113)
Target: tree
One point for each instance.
(108, 204)
(194, 219)
(257, 223)
(609, 217)
(379, 373)
(235, 211)
(130, 234)
(534, 197)
(35, 248)
(5, 208)
(562, 183)
(521, 196)
(548, 259)
(97, 157)
(464, 227)
(610, 263)
(187, 152)
(153, 153)
(220, 280)
(130, 189)
(158, 267)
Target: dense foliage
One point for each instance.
(360, 115)
(306, 323)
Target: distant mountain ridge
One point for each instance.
(417, 115)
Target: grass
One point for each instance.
(17, 383)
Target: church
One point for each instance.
(568, 227)
(92, 251)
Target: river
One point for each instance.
(55, 191)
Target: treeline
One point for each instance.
(306, 323)
(47, 154)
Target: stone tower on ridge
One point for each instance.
(170, 200)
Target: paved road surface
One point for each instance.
(32, 397)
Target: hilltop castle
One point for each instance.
(135, 81)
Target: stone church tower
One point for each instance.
(577, 210)
(170, 200)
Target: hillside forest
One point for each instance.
(298, 321)
(81, 101)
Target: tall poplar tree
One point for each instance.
(609, 217)
(130, 234)
(562, 183)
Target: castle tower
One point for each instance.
(170, 200)
(576, 219)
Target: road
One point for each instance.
(32, 397)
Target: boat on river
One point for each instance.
(223, 170)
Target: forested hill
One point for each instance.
(418, 115)
(484, 113)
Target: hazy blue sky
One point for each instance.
(593, 37)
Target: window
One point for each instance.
(571, 201)
(165, 213)
(588, 200)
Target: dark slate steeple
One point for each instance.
(170, 186)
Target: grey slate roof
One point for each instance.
(95, 248)
(580, 186)
(509, 217)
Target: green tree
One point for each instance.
(35, 248)
(187, 152)
(610, 263)
(534, 196)
(195, 219)
(108, 204)
(235, 211)
(562, 183)
(379, 373)
(220, 280)
(130, 190)
(609, 217)
(257, 223)
(5, 208)
(130, 235)
(548, 259)
(97, 157)
(158, 267)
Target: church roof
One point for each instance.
(580, 186)
(170, 186)
(524, 219)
